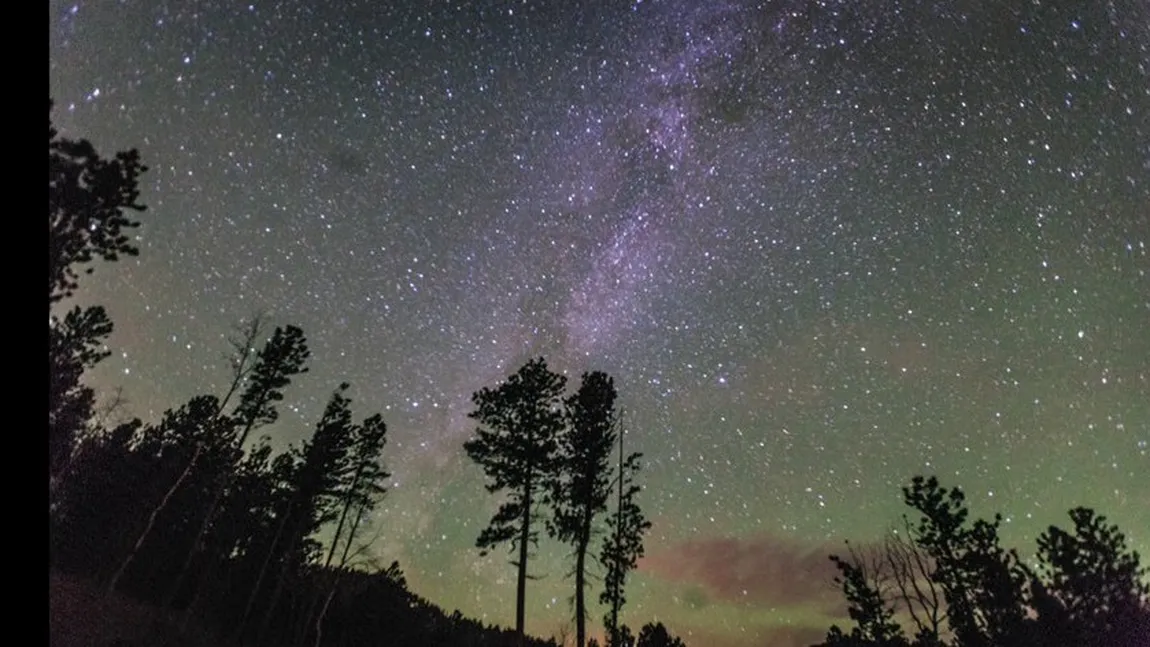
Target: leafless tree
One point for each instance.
(915, 591)
(901, 572)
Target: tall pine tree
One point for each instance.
(520, 422)
(321, 468)
(582, 486)
(361, 490)
(624, 544)
(362, 487)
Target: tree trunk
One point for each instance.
(263, 572)
(152, 519)
(343, 515)
(618, 512)
(521, 587)
(580, 608)
(323, 612)
(351, 535)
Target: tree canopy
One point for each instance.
(89, 200)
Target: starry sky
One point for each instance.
(822, 247)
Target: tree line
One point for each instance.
(197, 513)
(944, 579)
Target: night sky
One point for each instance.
(822, 247)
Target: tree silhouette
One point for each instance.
(247, 514)
(1099, 592)
(321, 469)
(75, 344)
(624, 543)
(363, 487)
(583, 479)
(982, 582)
(282, 357)
(621, 637)
(895, 577)
(519, 425)
(656, 635)
(190, 447)
(910, 571)
(88, 197)
(241, 363)
(360, 490)
(863, 587)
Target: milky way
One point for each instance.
(822, 246)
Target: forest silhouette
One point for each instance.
(196, 523)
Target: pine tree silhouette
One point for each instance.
(582, 485)
(1097, 587)
(519, 426)
(623, 545)
(321, 468)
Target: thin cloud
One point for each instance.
(765, 570)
